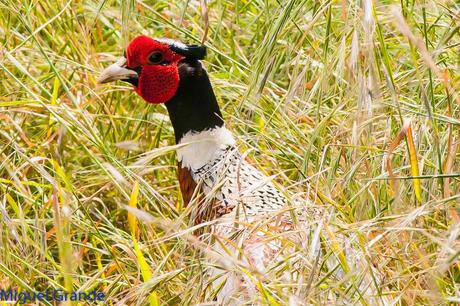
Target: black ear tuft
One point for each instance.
(197, 52)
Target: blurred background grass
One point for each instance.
(346, 101)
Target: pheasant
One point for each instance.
(170, 72)
(213, 175)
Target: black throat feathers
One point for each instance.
(194, 106)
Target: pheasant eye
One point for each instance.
(156, 57)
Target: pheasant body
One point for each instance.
(226, 177)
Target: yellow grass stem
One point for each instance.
(142, 262)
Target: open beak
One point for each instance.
(117, 71)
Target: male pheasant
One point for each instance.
(247, 209)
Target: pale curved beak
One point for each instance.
(117, 71)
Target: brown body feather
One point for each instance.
(205, 210)
(186, 182)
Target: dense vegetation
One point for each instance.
(354, 105)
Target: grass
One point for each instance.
(354, 105)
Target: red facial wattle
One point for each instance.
(158, 82)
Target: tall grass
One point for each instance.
(354, 105)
